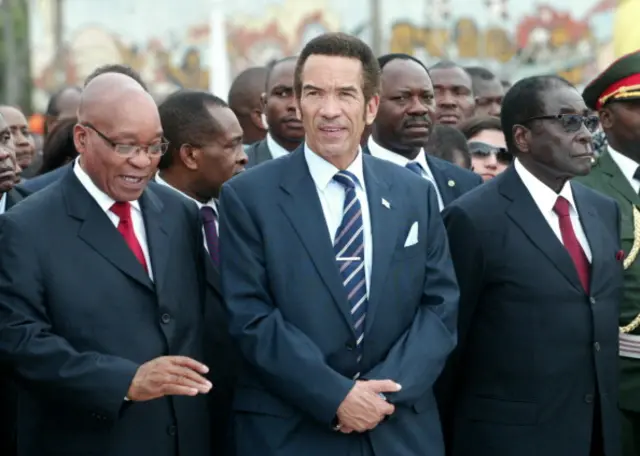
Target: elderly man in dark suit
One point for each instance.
(539, 266)
(104, 331)
(338, 281)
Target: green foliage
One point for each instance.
(20, 15)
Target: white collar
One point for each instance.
(104, 201)
(322, 172)
(385, 154)
(3, 203)
(627, 166)
(544, 197)
(275, 149)
(211, 203)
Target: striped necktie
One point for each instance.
(349, 249)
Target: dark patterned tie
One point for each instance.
(210, 232)
(416, 168)
(349, 249)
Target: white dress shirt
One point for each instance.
(332, 196)
(627, 166)
(380, 152)
(3, 203)
(105, 202)
(545, 199)
(275, 149)
(210, 203)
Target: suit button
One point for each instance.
(588, 398)
(166, 318)
(596, 346)
(592, 300)
(349, 346)
(171, 430)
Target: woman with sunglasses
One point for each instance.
(489, 156)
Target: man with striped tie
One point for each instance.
(338, 281)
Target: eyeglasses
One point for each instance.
(130, 150)
(572, 122)
(484, 150)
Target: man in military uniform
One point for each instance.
(615, 94)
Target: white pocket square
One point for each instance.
(412, 237)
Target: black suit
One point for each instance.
(536, 354)
(39, 182)
(257, 153)
(76, 327)
(452, 180)
(8, 390)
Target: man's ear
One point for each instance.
(189, 156)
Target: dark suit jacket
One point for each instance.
(39, 182)
(257, 153)
(8, 390)
(290, 313)
(78, 325)
(534, 350)
(452, 180)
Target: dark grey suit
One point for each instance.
(78, 325)
(258, 153)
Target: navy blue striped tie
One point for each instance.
(349, 248)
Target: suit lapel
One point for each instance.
(593, 230)
(616, 180)
(99, 233)
(302, 207)
(263, 153)
(385, 223)
(13, 198)
(157, 235)
(442, 181)
(525, 214)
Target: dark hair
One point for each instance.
(471, 127)
(342, 45)
(242, 93)
(59, 147)
(525, 100)
(387, 58)
(479, 74)
(52, 107)
(185, 119)
(445, 65)
(445, 140)
(116, 68)
(272, 65)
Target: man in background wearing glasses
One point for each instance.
(615, 94)
(102, 290)
(535, 371)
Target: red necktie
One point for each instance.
(123, 210)
(571, 243)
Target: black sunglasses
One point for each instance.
(484, 150)
(572, 122)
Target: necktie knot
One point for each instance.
(561, 207)
(415, 167)
(208, 214)
(123, 210)
(346, 179)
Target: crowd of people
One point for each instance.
(353, 255)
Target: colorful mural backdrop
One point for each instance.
(574, 44)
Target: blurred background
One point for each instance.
(46, 44)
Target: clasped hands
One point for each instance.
(363, 408)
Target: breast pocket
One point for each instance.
(404, 253)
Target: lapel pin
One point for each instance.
(451, 183)
(386, 204)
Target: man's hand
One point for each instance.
(167, 376)
(363, 408)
